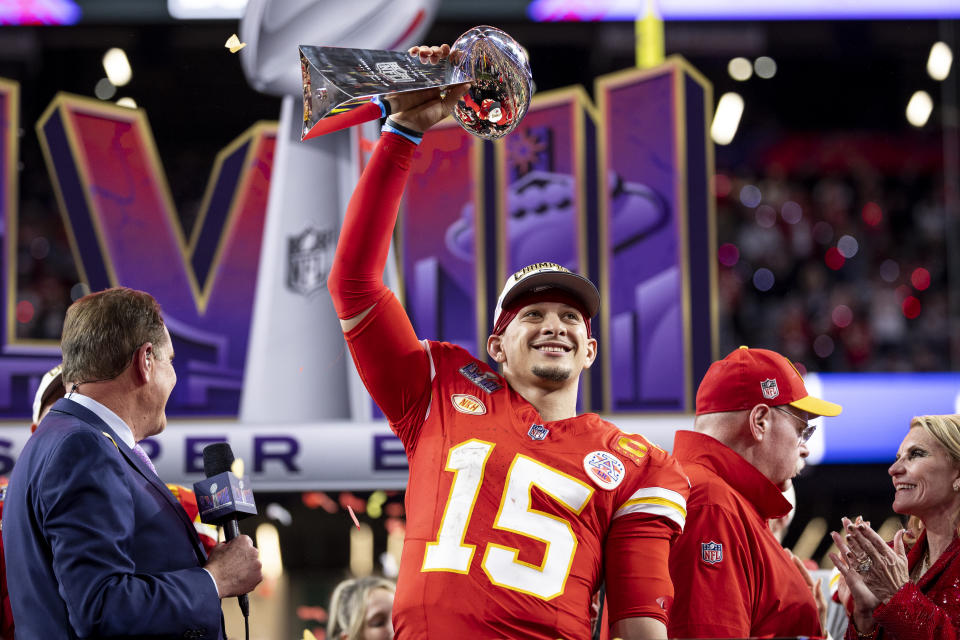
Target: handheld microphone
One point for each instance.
(223, 498)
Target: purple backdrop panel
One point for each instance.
(546, 195)
(541, 207)
(125, 231)
(439, 246)
(644, 245)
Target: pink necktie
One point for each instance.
(137, 449)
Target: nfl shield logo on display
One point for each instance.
(711, 552)
(309, 257)
(538, 432)
(769, 388)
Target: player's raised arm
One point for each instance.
(356, 279)
(381, 338)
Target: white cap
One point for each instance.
(48, 378)
(541, 276)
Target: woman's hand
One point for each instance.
(873, 571)
(888, 570)
(864, 601)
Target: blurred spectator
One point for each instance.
(361, 609)
(780, 525)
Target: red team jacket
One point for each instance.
(732, 577)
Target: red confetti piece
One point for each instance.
(353, 516)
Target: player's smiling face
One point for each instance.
(546, 344)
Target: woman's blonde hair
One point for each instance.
(348, 605)
(946, 430)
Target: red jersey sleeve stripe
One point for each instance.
(656, 501)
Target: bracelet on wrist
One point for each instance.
(394, 127)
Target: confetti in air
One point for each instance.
(353, 516)
(308, 635)
(234, 44)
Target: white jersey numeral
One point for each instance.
(501, 563)
(467, 461)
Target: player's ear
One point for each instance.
(591, 352)
(495, 348)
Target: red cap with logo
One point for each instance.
(748, 377)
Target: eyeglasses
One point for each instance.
(808, 429)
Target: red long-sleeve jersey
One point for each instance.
(512, 522)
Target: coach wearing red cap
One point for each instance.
(732, 577)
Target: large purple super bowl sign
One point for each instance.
(619, 192)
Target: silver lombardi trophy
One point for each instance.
(337, 80)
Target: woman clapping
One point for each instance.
(900, 594)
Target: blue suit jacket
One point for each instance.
(96, 545)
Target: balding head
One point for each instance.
(764, 436)
(729, 427)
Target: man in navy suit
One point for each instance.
(96, 545)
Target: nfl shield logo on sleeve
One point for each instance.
(769, 388)
(711, 552)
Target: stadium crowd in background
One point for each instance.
(843, 270)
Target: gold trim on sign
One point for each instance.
(681, 218)
(11, 90)
(68, 106)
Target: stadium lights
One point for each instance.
(740, 69)
(117, 66)
(938, 64)
(127, 102)
(919, 108)
(206, 9)
(104, 89)
(765, 66)
(361, 550)
(268, 542)
(727, 118)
